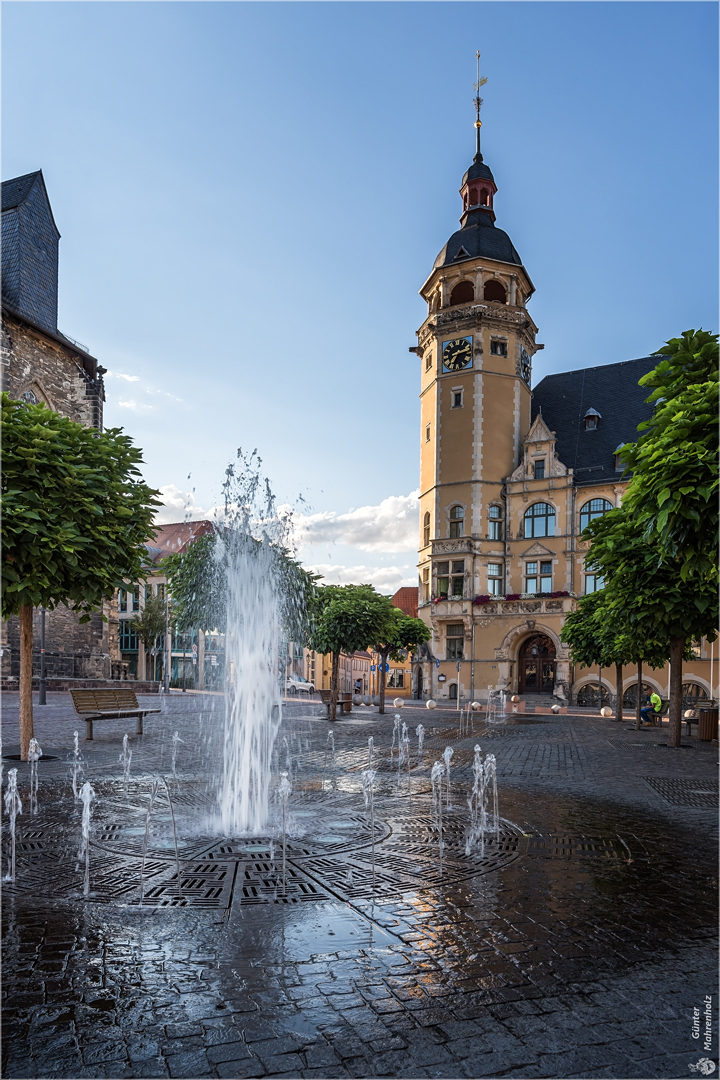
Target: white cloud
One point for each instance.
(386, 579)
(136, 406)
(178, 506)
(392, 525)
(122, 375)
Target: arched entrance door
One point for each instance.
(536, 665)
(419, 692)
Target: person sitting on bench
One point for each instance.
(651, 712)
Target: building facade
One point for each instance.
(510, 475)
(41, 364)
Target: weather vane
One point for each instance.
(478, 103)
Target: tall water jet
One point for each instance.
(176, 740)
(77, 767)
(153, 796)
(491, 781)
(447, 754)
(477, 802)
(436, 779)
(371, 751)
(284, 791)
(174, 829)
(13, 807)
(264, 592)
(34, 755)
(125, 759)
(87, 795)
(396, 734)
(420, 732)
(368, 786)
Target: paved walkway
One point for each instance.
(576, 945)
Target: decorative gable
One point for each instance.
(538, 443)
(537, 551)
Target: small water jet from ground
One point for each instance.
(174, 829)
(77, 767)
(484, 784)
(284, 790)
(13, 807)
(436, 779)
(125, 759)
(420, 732)
(396, 734)
(176, 740)
(153, 795)
(371, 751)
(34, 755)
(368, 786)
(447, 754)
(87, 795)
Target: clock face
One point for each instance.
(525, 366)
(457, 354)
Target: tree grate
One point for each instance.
(678, 791)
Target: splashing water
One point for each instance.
(484, 784)
(420, 732)
(436, 779)
(13, 807)
(125, 759)
(284, 791)
(176, 740)
(368, 786)
(87, 796)
(263, 597)
(153, 795)
(174, 829)
(77, 767)
(371, 751)
(396, 734)
(447, 754)
(34, 755)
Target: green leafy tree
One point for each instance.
(149, 625)
(196, 582)
(347, 619)
(76, 514)
(674, 488)
(647, 596)
(403, 635)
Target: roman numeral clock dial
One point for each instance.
(457, 354)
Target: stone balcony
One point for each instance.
(464, 545)
(530, 605)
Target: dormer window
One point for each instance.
(539, 469)
(619, 463)
(592, 419)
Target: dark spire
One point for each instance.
(478, 103)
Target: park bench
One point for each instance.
(113, 704)
(344, 702)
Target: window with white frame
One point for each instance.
(457, 521)
(495, 579)
(457, 399)
(495, 515)
(594, 509)
(593, 581)
(498, 348)
(538, 576)
(426, 583)
(540, 520)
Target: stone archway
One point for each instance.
(536, 665)
(509, 656)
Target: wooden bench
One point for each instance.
(344, 701)
(107, 704)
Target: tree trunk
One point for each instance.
(677, 647)
(618, 693)
(26, 707)
(334, 672)
(383, 654)
(638, 705)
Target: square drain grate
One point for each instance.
(677, 791)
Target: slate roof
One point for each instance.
(480, 239)
(16, 191)
(477, 171)
(613, 391)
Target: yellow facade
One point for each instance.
(486, 471)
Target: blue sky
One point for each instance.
(251, 194)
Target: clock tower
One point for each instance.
(475, 349)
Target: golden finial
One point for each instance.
(478, 103)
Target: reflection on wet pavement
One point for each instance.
(576, 944)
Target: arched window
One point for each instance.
(694, 696)
(426, 529)
(457, 516)
(473, 197)
(495, 515)
(495, 290)
(540, 520)
(463, 293)
(484, 197)
(593, 509)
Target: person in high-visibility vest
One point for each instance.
(652, 711)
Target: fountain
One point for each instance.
(436, 779)
(175, 741)
(34, 755)
(153, 795)
(396, 734)
(174, 829)
(87, 795)
(420, 732)
(371, 751)
(263, 595)
(368, 786)
(484, 782)
(77, 767)
(284, 790)
(447, 754)
(13, 807)
(125, 759)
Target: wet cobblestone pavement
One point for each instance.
(577, 945)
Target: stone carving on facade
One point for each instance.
(532, 605)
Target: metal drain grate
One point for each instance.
(646, 744)
(677, 791)
(568, 847)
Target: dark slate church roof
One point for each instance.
(480, 239)
(612, 390)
